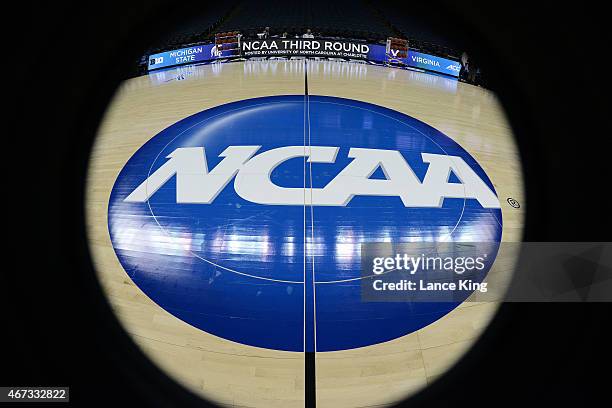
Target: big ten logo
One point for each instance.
(155, 61)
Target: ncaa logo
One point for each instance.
(246, 220)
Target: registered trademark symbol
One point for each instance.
(513, 203)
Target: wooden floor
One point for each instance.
(237, 375)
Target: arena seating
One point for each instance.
(198, 29)
(340, 18)
(421, 37)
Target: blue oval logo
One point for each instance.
(246, 220)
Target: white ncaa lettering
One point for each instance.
(253, 182)
(195, 184)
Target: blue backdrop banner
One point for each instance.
(432, 63)
(189, 55)
(267, 48)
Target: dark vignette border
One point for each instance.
(60, 327)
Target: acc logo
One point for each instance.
(246, 220)
(455, 68)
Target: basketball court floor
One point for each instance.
(226, 290)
